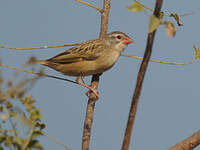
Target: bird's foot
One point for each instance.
(96, 93)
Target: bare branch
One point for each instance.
(104, 18)
(189, 143)
(94, 83)
(140, 78)
(37, 73)
(85, 3)
(40, 47)
(28, 140)
(56, 141)
(159, 61)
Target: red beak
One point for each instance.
(127, 40)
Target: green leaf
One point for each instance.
(154, 23)
(36, 115)
(35, 144)
(17, 143)
(136, 7)
(1, 108)
(8, 141)
(8, 105)
(36, 134)
(2, 138)
(40, 125)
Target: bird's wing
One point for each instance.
(89, 50)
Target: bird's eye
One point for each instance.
(119, 37)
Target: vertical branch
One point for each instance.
(140, 78)
(104, 18)
(94, 83)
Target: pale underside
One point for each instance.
(84, 60)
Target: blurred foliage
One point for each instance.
(20, 119)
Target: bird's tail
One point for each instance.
(34, 60)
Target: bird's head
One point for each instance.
(118, 40)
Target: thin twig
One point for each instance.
(181, 15)
(29, 137)
(187, 14)
(56, 141)
(36, 73)
(159, 61)
(140, 78)
(189, 143)
(94, 83)
(85, 3)
(40, 47)
(10, 120)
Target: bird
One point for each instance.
(90, 57)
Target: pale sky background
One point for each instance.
(169, 106)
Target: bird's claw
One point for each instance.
(96, 93)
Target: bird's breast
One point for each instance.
(106, 61)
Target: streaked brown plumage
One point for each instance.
(89, 58)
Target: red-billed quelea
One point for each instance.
(90, 58)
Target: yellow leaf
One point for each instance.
(170, 28)
(197, 52)
(136, 7)
(3, 117)
(154, 23)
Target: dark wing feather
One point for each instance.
(89, 50)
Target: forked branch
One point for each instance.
(94, 83)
